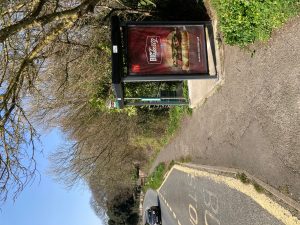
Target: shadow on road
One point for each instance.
(158, 201)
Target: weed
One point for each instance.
(253, 53)
(218, 87)
(185, 159)
(284, 189)
(257, 187)
(171, 164)
(185, 90)
(243, 178)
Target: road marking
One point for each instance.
(165, 178)
(174, 215)
(193, 214)
(211, 216)
(265, 202)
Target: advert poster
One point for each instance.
(166, 49)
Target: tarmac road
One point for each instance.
(196, 197)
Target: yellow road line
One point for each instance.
(265, 202)
(174, 215)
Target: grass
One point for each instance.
(175, 116)
(156, 141)
(156, 178)
(245, 21)
(160, 129)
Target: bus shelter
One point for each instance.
(160, 53)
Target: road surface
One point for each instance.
(196, 197)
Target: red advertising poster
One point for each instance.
(166, 49)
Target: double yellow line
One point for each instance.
(261, 199)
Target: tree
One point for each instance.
(121, 209)
(30, 32)
(27, 35)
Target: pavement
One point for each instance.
(200, 90)
(194, 196)
(251, 121)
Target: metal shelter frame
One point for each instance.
(120, 74)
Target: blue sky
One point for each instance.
(48, 202)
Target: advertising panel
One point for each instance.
(166, 49)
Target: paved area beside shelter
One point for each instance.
(200, 90)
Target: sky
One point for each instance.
(47, 202)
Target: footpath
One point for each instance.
(252, 120)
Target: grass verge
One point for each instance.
(160, 130)
(177, 113)
(156, 178)
(245, 21)
(175, 116)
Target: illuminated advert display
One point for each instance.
(166, 49)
